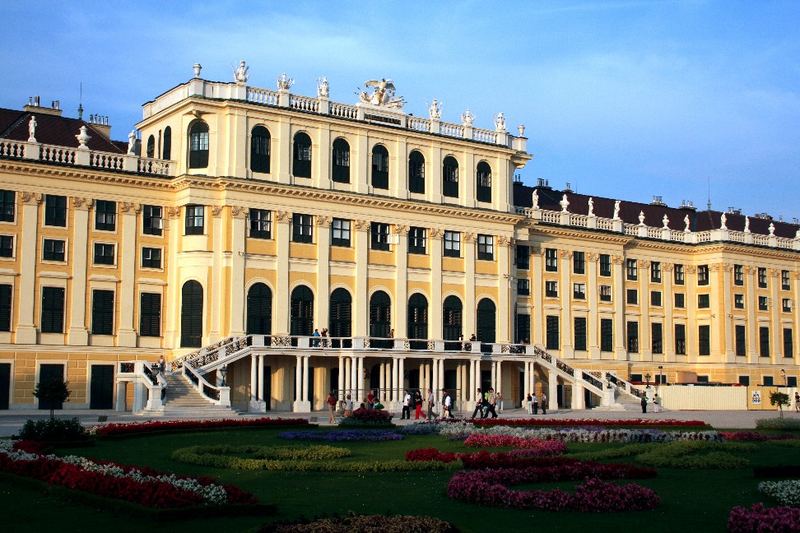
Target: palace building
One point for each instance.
(273, 247)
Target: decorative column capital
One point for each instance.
(239, 211)
(505, 241)
(565, 254)
(323, 221)
(127, 207)
(592, 257)
(173, 212)
(216, 210)
(643, 263)
(283, 216)
(469, 237)
(400, 229)
(84, 204)
(667, 267)
(33, 198)
(361, 225)
(617, 259)
(435, 233)
(691, 269)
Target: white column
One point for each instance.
(494, 375)
(552, 393)
(26, 297)
(298, 380)
(127, 258)
(499, 386)
(354, 378)
(401, 283)
(395, 386)
(527, 380)
(253, 379)
(260, 379)
(401, 382)
(435, 375)
(340, 384)
(577, 392)
(237, 294)
(348, 377)
(78, 334)
(281, 318)
(361, 395)
(305, 381)
(381, 378)
(323, 239)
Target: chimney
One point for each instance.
(100, 124)
(34, 106)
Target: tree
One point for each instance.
(780, 399)
(51, 392)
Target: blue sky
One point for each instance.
(625, 99)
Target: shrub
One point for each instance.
(786, 424)
(368, 417)
(759, 519)
(780, 399)
(347, 524)
(786, 492)
(164, 426)
(53, 430)
(53, 391)
(578, 422)
(689, 454)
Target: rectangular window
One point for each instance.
(103, 253)
(151, 257)
(605, 265)
(486, 247)
(744, 381)
(678, 275)
(738, 301)
(791, 381)
(631, 269)
(553, 337)
(657, 337)
(702, 379)
(655, 298)
(379, 236)
(52, 310)
(150, 315)
(8, 203)
(152, 220)
(768, 381)
(763, 341)
(702, 275)
(786, 305)
(260, 224)
(55, 210)
(632, 296)
(704, 340)
(578, 263)
(523, 257)
(785, 284)
(340, 232)
(580, 334)
(655, 272)
(54, 250)
(523, 332)
(680, 300)
(605, 293)
(195, 220)
(105, 215)
(762, 278)
(452, 244)
(738, 275)
(740, 332)
(579, 291)
(102, 312)
(633, 337)
(703, 301)
(551, 289)
(302, 228)
(606, 335)
(680, 339)
(788, 343)
(5, 307)
(523, 287)
(417, 241)
(551, 260)
(6, 246)
(763, 303)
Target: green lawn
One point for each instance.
(691, 500)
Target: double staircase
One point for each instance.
(184, 401)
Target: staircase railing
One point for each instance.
(148, 386)
(624, 385)
(220, 395)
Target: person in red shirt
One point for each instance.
(331, 407)
(370, 400)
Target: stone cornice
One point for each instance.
(577, 233)
(83, 174)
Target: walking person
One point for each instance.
(485, 404)
(529, 403)
(492, 403)
(431, 403)
(796, 401)
(644, 404)
(331, 408)
(544, 403)
(370, 400)
(478, 403)
(418, 405)
(406, 414)
(348, 405)
(447, 405)
(499, 401)
(656, 404)
(315, 340)
(535, 404)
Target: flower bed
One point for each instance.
(542, 447)
(348, 524)
(578, 422)
(786, 492)
(696, 455)
(342, 435)
(368, 417)
(489, 487)
(310, 459)
(760, 519)
(753, 436)
(142, 486)
(484, 459)
(159, 426)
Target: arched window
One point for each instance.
(151, 146)
(259, 310)
(340, 316)
(191, 315)
(259, 150)
(198, 144)
(418, 321)
(484, 191)
(452, 330)
(380, 319)
(486, 323)
(341, 161)
(167, 151)
(301, 165)
(450, 177)
(302, 311)
(416, 172)
(380, 167)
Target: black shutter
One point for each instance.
(5, 307)
(191, 315)
(102, 312)
(52, 310)
(150, 315)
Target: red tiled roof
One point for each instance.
(653, 214)
(51, 129)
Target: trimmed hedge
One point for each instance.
(786, 424)
(351, 523)
(688, 454)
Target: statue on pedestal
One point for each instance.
(665, 221)
(591, 206)
(686, 224)
(641, 218)
(467, 118)
(535, 199)
(132, 142)
(323, 90)
(382, 94)
(500, 123)
(723, 221)
(616, 210)
(435, 110)
(747, 224)
(241, 72)
(564, 203)
(32, 130)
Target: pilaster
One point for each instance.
(128, 254)
(668, 301)
(217, 273)
(567, 350)
(537, 286)
(282, 219)
(592, 290)
(435, 314)
(26, 328)
(645, 333)
(361, 297)
(78, 334)
(470, 304)
(619, 308)
(238, 260)
(506, 305)
(401, 285)
(172, 290)
(323, 238)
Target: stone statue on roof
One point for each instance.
(641, 218)
(723, 221)
(32, 129)
(771, 229)
(521, 130)
(535, 199)
(323, 89)
(591, 206)
(132, 142)
(284, 82)
(797, 235)
(686, 224)
(564, 203)
(665, 221)
(747, 224)
(500, 123)
(240, 73)
(383, 91)
(435, 110)
(467, 118)
(83, 138)
(616, 210)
